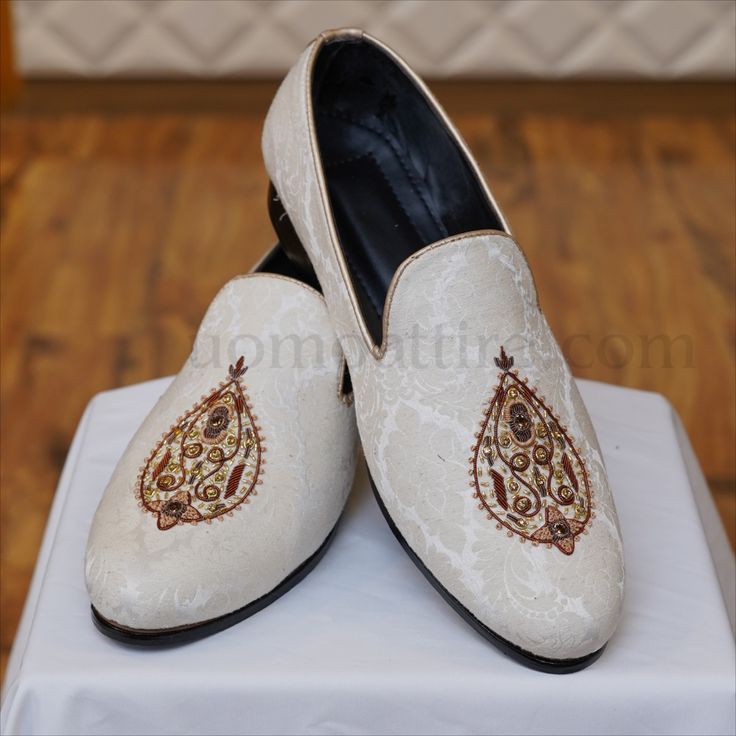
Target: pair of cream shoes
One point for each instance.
(481, 453)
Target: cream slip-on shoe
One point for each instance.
(483, 457)
(230, 491)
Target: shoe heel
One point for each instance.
(287, 236)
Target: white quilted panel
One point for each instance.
(492, 38)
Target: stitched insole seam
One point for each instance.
(405, 166)
(384, 175)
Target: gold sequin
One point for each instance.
(520, 461)
(566, 494)
(210, 493)
(165, 481)
(522, 504)
(215, 455)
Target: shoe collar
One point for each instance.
(427, 268)
(330, 36)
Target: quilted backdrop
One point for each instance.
(539, 38)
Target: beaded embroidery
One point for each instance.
(527, 473)
(209, 462)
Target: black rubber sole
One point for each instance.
(542, 664)
(160, 638)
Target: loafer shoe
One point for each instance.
(482, 454)
(230, 491)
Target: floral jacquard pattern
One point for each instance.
(527, 473)
(209, 462)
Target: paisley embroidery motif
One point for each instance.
(208, 463)
(527, 473)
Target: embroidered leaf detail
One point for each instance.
(504, 362)
(237, 370)
(161, 464)
(567, 465)
(234, 480)
(500, 489)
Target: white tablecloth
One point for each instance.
(365, 645)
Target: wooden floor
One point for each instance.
(125, 208)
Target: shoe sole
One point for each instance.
(160, 638)
(542, 664)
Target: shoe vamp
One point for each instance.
(421, 413)
(272, 506)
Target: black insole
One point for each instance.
(397, 180)
(374, 199)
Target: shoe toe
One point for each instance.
(551, 596)
(145, 579)
(141, 578)
(553, 606)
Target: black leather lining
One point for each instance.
(277, 262)
(396, 179)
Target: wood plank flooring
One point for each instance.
(125, 208)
